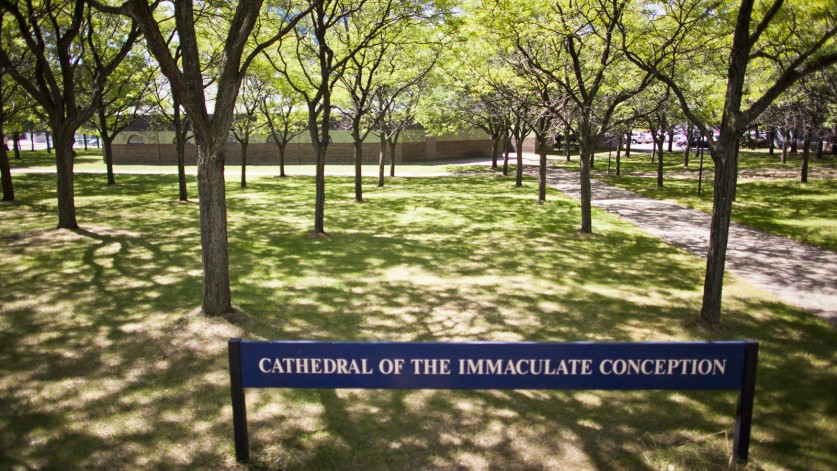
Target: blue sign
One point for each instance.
(489, 365)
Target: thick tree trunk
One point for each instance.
(358, 156)
(5, 169)
(794, 137)
(244, 146)
(64, 175)
(107, 151)
(213, 219)
(382, 160)
(725, 181)
(806, 152)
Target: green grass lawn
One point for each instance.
(782, 206)
(90, 161)
(105, 364)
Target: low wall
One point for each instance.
(425, 150)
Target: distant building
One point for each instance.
(141, 143)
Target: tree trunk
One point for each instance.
(64, 174)
(495, 146)
(620, 142)
(319, 205)
(108, 153)
(213, 219)
(567, 143)
(785, 144)
(282, 158)
(689, 134)
(542, 174)
(180, 144)
(670, 141)
(630, 137)
(382, 159)
(506, 141)
(819, 146)
(794, 137)
(48, 144)
(586, 191)
(16, 145)
(392, 144)
(518, 140)
(806, 152)
(32, 141)
(771, 137)
(358, 151)
(5, 168)
(725, 180)
(244, 146)
(84, 139)
(660, 165)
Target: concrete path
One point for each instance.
(800, 274)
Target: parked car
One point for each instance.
(641, 138)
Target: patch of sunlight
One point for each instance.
(586, 423)
(588, 399)
(425, 215)
(131, 283)
(411, 274)
(471, 461)
(166, 279)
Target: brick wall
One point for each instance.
(302, 152)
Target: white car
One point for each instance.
(641, 138)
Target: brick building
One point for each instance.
(140, 145)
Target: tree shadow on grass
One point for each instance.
(103, 367)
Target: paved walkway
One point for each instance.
(800, 274)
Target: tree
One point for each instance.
(246, 121)
(238, 32)
(284, 119)
(573, 45)
(125, 96)
(54, 60)
(781, 41)
(11, 104)
(169, 110)
(315, 67)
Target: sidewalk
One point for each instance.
(800, 274)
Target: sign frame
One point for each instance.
(562, 366)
